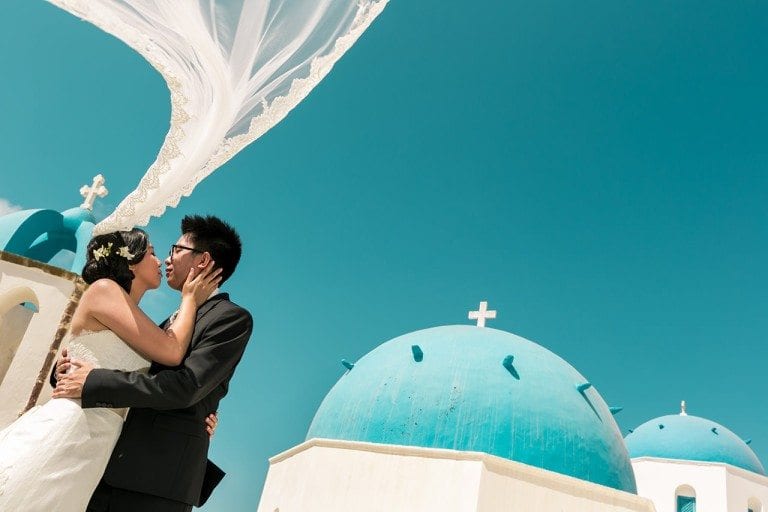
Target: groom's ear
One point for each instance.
(206, 258)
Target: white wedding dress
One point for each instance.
(52, 457)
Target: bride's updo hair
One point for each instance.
(110, 254)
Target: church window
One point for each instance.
(686, 504)
(685, 499)
(17, 307)
(30, 306)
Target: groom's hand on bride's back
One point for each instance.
(70, 385)
(211, 422)
(62, 365)
(60, 368)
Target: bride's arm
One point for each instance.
(107, 303)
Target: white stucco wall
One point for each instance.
(507, 485)
(52, 293)
(658, 479)
(14, 322)
(719, 487)
(332, 475)
(745, 488)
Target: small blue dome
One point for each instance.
(59, 239)
(478, 389)
(685, 437)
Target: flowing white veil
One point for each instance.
(234, 68)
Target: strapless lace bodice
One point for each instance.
(104, 349)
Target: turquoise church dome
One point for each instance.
(478, 389)
(57, 238)
(685, 437)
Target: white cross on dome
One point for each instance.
(90, 193)
(482, 314)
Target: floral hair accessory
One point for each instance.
(105, 250)
(102, 252)
(123, 251)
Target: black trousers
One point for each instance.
(111, 499)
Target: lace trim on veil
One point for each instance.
(125, 216)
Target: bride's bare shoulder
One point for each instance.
(100, 296)
(103, 288)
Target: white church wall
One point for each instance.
(746, 490)
(510, 486)
(14, 322)
(25, 359)
(321, 475)
(659, 479)
(333, 475)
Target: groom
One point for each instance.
(160, 460)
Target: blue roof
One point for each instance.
(691, 438)
(59, 239)
(478, 389)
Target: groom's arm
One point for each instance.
(53, 378)
(211, 361)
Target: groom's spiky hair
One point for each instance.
(218, 238)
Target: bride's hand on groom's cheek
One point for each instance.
(70, 385)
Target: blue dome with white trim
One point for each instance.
(57, 238)
(685, 437)
(478, 389)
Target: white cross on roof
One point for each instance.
(482, 314)
(90, 193)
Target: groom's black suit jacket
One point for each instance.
(163, 447)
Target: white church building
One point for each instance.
(41, 254)
(686, 463)
(468, 418)
(458, 418)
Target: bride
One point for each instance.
(53, 456)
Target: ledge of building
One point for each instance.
(499, 465)
(734, 470)
(39, 265)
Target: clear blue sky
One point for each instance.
(596, 170)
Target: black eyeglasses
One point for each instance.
(176, 247)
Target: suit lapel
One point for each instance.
(209, 304)
(203, 310)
